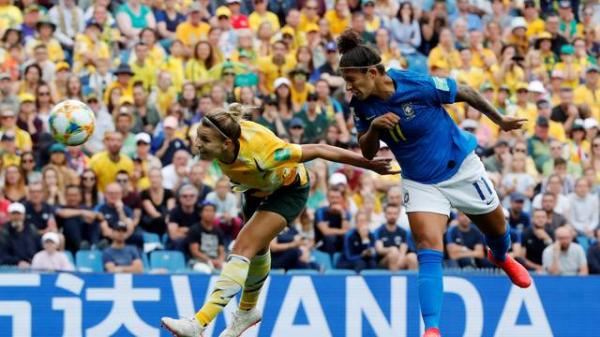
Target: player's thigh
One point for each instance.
(257, 233)
(428, 229)
(470, 190)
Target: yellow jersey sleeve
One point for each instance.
(264, 162)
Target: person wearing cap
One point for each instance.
(18, 241)
(30, 18)
(228, 38)
(556, 130)
(45, 35)
(108, 163)
(169, 141)
(518, 35)
(8, 123)
(89, 47)
(273, 67)
(578, 147)
(50, 259)
(329, 71)
(518, 219)
(121, 257)
(543, 43)
(539, 143)
(315, 123)
(104, 123)
(372, 20)
(124, 82)
(567, 65)
(536, 89)
(142, 152)
(28, 118)
(568, 23)
(296, 131)
(7, 97)
(589, 92)
(300, 88)
(58, 160)
(8, 149)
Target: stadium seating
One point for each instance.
(151, 237)
(322, 259)
(171, 260)
(69, 256)
(340, 272)
(89, 261)
(369, 272)
(302, 272)
(336, 259)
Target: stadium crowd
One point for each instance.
(150, 69)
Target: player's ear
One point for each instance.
(372, 72)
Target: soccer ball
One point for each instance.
(71, 122)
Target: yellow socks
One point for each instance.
(230, 282)
(257, 274)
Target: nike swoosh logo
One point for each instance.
(489, 202)
(370, 117)
(260, 169)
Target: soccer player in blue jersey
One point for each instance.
(439, 168)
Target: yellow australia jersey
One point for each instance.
(264, 162)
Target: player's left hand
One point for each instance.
(382, 166)
(509, 123)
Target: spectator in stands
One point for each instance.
(465, 244)
(77, 222)
(119, 257)
(157, 202)
(315, 123)
(176, 174)
(554, 185)
(534, 240)
(565, 257)
(359, 251)
(593, 255)
(18, 242)
(206, 241)
(227, 208)
(107, 164)
(392, 243)
(183, 217)
(332, 222)
(197, 178)
(538, 145)
(37, 211)
(500, 158)
(518, 219)
(290, 250)
(584, 208)
(113, 212)
(131, 197)
(50, 259)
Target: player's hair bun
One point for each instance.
(348, 41)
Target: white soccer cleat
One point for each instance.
(183, 327)
(242, 321)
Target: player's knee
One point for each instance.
(245, 248)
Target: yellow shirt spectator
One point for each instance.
(144, 73)
(299, 96)
(575, 68)
(511, 78)
(174, 66)
(190, 34)
(474, 77)
(337, 24)
(256, 19)
(585, 95)
(87, 50)
(55, 51)
(478, 57)
(535, 27)
(271, 71)
(10, 17)
(443, 59)
(164, 99)
(106, 170)
(305, 22)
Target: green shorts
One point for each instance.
(288, 201)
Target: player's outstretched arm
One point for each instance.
(336, 154)
(475, 99)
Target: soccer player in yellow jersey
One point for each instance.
(275, 184)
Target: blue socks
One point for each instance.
(499, 245)
(431, 288)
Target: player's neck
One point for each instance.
(230, 155)
(384, 87)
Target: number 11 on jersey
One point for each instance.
(396, 133)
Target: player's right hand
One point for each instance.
(386, 122)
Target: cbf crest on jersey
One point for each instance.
(409, 112)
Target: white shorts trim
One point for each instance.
(469, 190)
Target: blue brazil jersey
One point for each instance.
(427, 143)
